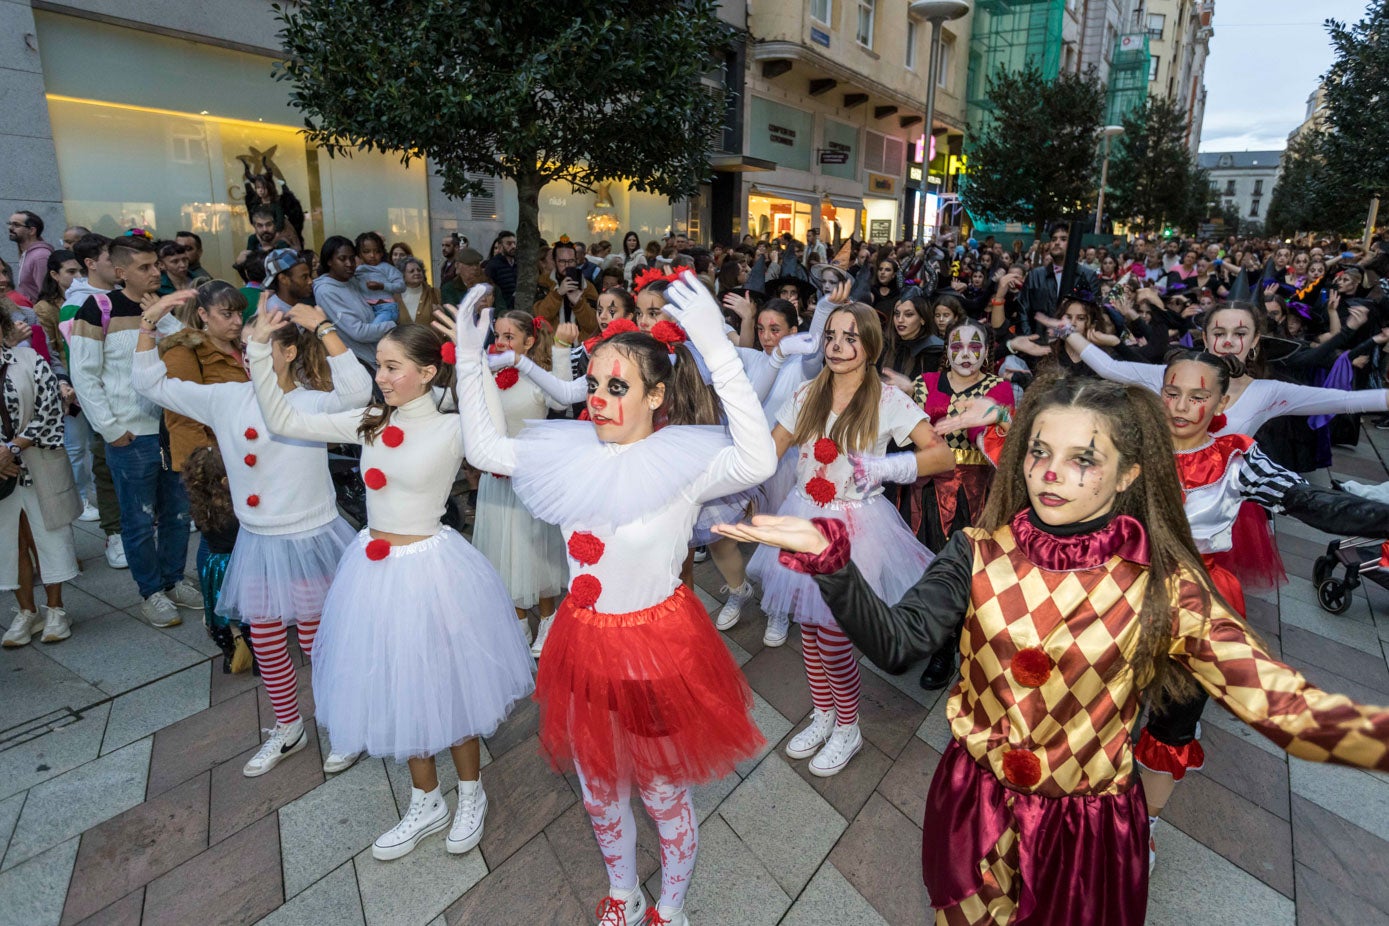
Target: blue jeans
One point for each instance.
(154, 514)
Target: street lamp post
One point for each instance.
(1109, 132)
(935, 12)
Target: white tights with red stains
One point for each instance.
(609, 806)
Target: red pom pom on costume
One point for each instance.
(669, 333)
(508, 377)
(1031, 666)
(584, 590)
(820, 490)
(249, 459)
(1217, 424)
(826, 451)
(253, 500)
(585, 548)
(392, 436)
(378, 549)
(374, 478)
(1384, 555)
(583, 415)
(1022, 768)
(448, 353)
(252, 434)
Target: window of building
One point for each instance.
(820, 10)
(1258, 188)
(1156, 23)
(1254, 207)
(865, 22)
(947, 54)
(1153, 68)
(1229, 188)
(911, 44)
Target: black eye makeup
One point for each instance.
(618, 387)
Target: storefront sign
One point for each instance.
(879, 231)
(839, 157)
(779, 133)
(831, 156)
(914, 173)
(880, 185)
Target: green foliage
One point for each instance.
(1152, 172)
(1357, 106)
(579, 92)
(1033, 160)
(1308, 196)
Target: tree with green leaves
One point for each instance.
(1199, 203)
(1033, 158)
(1307, 196)
(536, 92)
(1356, 146)
(1151, 170)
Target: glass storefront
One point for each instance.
(608, 213)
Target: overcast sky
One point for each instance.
(1266, 57)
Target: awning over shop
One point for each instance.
(772, 191)
(739, 163)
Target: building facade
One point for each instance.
(1179, 34)
(1243, 180)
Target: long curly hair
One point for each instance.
(1134, 419)
(209, 497)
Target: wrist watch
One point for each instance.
(13, 448)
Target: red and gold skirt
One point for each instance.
(652, 693)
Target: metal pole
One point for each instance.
(1370, 221)
(1104, 181)
(933, 63)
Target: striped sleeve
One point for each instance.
(1263, 481)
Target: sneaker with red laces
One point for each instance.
(622, 908)
(654, 917)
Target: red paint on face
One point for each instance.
(1049, 476)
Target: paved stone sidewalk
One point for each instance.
(122, 799)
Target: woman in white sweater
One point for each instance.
(291, 536)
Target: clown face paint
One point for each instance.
(771, 328)
(965, 350)
(1191, 394)
(1072, 467)
(1231, 332)
(618, 403)
(650, 309)
(609, 307)
(843, 350)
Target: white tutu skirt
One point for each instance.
(774, 491)
(730, 509)
(279, 578)
(418, 651)
(527, 552)
(881, 545)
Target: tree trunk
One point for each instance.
(527, 238)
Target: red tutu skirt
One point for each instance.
(1253, 556)
(1080, 861)
(653, 694)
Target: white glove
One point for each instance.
(692, 306)
(797, 345)
(506, 358)
(470, 331)
(872, 471)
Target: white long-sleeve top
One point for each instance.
(1261, 401)
(418, 454)
(278, 485)
(638, 500)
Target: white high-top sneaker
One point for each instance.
(541, 635)
(622, 908)
(428, 814)
(284, 741)
(778, 629)
(808, 742)
(732, 608)
(22, 628)
(466, 831)
(662, 916)
(843, 745)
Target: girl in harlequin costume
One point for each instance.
(948, 501)
(841, 423)
(528, 553)
(291, 535)
(636, 689)
(1082, 594)
(1218, 475)
(420, 650)
(1235, 330)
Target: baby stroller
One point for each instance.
(1361, 557)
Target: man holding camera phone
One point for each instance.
(566, 295)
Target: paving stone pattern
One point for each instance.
(122, 799)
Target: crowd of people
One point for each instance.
(1048, 473)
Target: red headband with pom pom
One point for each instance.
(654, 275)
(616, 326)
(669, 333)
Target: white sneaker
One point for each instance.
(844, 744)
(808, 742)
(525, 625)
(185, 595)
(159, 611)
(622, 908)
(284, 741)
(428, 814)
(57, 627)
(89, 513)
(340, 762)
(732, 608)
(541, 635)
(663, 916)
(701, 554)
(466, 831)
(22, 628)
(1152, 842)
(778, 629)
(115, 552)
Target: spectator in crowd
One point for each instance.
(252, 278)
(287, 277)
(63, 268)
(449, 250)
(1043, 284)
(501, 269)
(72, 233)
(379, 279)
(399, 251)
(174, 263)
(814, 245)
(468, 272)
(336, 292)
(26, 230)
(262, 240)
(154, 506)
(419, 300)
(567, 298)
(194, 243)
